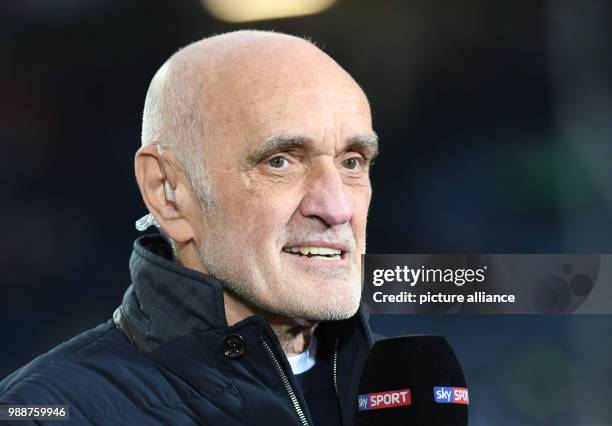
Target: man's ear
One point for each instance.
(171, 205)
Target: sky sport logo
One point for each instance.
(388, 399)
(450, 395)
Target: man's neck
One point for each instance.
(294, 338)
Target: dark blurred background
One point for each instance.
(495, 119)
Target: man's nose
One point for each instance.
(326, 197)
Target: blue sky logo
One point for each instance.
(363, 402)
(443, 394)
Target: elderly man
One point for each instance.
(254, 164)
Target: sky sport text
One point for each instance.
(387, 399)
(451, 395)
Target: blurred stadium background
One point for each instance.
(495, 121)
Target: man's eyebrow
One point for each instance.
(276, 144)
(367, 144)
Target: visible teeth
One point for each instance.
(315, 251)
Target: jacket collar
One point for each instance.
(167, 301)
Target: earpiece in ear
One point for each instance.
(169, 191)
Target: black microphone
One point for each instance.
(412, 381)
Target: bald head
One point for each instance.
(204, 90)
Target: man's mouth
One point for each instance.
(317, 252)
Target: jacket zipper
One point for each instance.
(335, 369)
(285, 380)
(335, 380)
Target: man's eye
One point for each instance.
(278, 162)
(351, 163)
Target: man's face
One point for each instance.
(291, 189)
